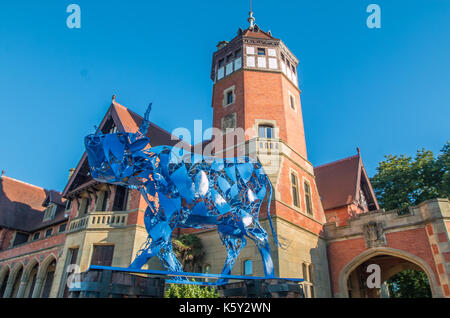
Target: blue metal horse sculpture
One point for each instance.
(185, 190)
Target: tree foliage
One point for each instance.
(189, 250)
(401, 180)
(191, 291)
(409, 284)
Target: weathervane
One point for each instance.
(251, 19)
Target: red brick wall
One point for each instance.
(33, 246)
(265, 96)
(412, 241)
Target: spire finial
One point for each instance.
(113, 99)
(251, 19)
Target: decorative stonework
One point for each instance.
(374, 234)
(229, 122)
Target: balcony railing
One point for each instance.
(98, 220)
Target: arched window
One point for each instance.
(265, 131)
(248, 267)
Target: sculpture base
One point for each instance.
(97, 283)
(262, 288)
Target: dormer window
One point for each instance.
(50, 211)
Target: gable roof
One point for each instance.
(125, 120)
(339, 183)
(21, 205)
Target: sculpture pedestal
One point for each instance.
(262, 288)
(109, 284)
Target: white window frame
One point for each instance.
(225, 94)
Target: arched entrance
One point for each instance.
(46, 276)
(30, 279)
(353, 277)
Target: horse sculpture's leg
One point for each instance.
(234, 246)
(260, 237)
(145, 254)
(168, 258)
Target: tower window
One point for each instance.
(265, 131)
(292, 101)
(261, 51)
(308, 198)
(293, 69)
(282, 57)
(229, 57)
(238, 53)
(294, 190)
(229, 97)
(221, 63)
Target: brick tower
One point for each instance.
(256, 89)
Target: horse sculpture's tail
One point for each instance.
(275, 238)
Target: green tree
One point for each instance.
(409, 284)
(401, 180)
(189, 250)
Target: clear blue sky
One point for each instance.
(385, 90)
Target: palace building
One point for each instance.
(327, 218)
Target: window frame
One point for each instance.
(266, 129)
(308, 202)
(50, 230)
(294, 176)
(248, 261)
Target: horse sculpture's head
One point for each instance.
(118, 158)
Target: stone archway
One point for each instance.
(44, 278)
(29, 279)
(405, 261)
(14, 282)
